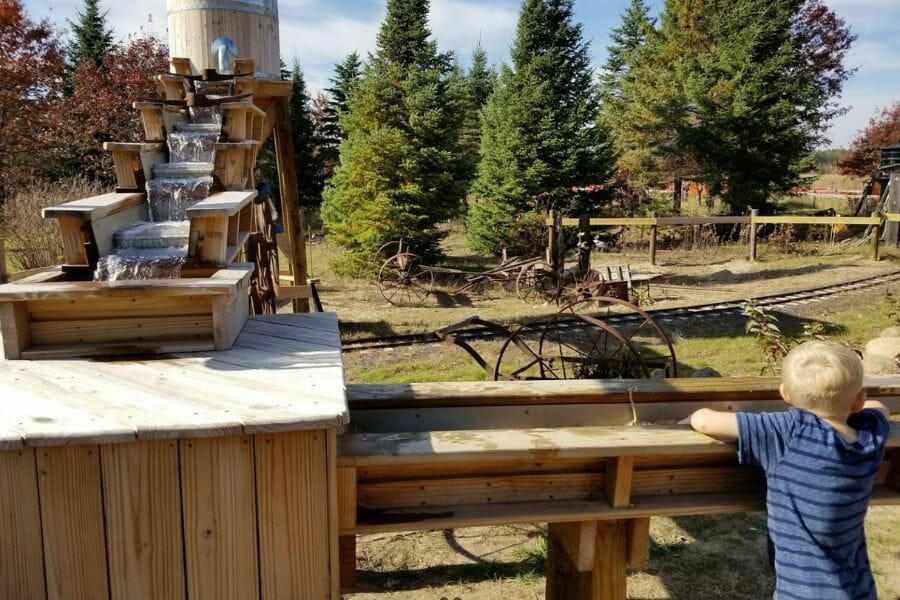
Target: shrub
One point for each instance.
(31, 241)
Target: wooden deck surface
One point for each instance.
(283, 374)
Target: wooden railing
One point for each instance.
(595, 460)
(556, 222)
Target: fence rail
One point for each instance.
(555, 253)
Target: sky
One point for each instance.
(321, 33)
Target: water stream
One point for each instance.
(157, 249)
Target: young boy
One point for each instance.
(820, 459)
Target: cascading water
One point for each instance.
(158, 249)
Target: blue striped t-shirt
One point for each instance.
(818, 493)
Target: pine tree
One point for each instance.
(631, 35)
(481, 78)
(402, 167)
(306, 142)
(540, 136)
(346, 75)
(91, 41)
(736, 93)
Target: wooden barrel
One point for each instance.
(251, 24)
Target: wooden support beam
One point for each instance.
(638, 542)
(754, 214)
(619, 472)
(580, 574)
(579, 539)
(610, 569)
(347, 501)
(653, 232)
(877, 231)
(290, 197)
(564, 580)
(16, 331)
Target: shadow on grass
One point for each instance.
(725, 278)
(357, 329)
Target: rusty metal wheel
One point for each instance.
(403, 281)
(573, 345)
(536, 284)
(262, 251)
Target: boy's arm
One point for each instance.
(717, 424)
(876, 405)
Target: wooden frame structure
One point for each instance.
(441, 456)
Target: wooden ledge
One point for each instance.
(514, 513)
(134, 146)
(397, 449)
(222, 204)
(242, 145)
(243, 106)
(159, 106)
(93, 209)
(516, 393)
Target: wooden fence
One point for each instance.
(556, 222)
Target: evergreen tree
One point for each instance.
(91, 41)
(736, 93)
(631, 35)
(307, 157)
(481, 78)
(346, 76)
(402, 167)
(540, 135)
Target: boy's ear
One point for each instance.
(783, 394)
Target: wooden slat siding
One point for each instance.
(610, 569)
(292, 493)
(100, 331)
(21, 551)
(222, 204)
(209, 239)
(434, 490)
(144, 537)
(334, 507)
(220, 525)
(15, 333)
(485, 468)
(136, 306)
(638, 542)
(507, 393)
(97, 207)
(478, 490)
(72, 523)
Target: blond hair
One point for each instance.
(822, 376)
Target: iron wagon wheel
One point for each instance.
(583, 285)
(535, 284)
(403, 281)
(573, 345)
(385, 251)
(636, 324)
(262, 251)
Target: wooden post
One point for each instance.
(560, 245)
(290, 197)
(676, 197)
(753, 214)
(552, 241)
(877, 233)
(653, 231)
(2, 261)
(584, 243)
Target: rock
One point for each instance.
(886, 347)
(879, 365)
(658, 374)
(891, 332)
(705, 372)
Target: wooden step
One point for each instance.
(222, 204)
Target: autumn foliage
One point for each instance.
(31, 65)
(865, 150)
(45, 135)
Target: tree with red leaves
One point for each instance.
(31, 67)
(865, 150)
(100, 107)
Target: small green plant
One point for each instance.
(893, 307)
(774, 343)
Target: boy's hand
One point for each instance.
(717, 424)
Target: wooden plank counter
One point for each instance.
(182, 476)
